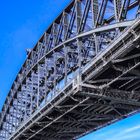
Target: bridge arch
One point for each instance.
(75, 55)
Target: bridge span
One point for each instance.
(83, 74)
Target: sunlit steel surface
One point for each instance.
(83, 74)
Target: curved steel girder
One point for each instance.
(82, 35)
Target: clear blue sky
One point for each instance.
(21, 25)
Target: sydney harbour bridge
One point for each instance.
(83, 74)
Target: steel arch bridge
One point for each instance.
(83, 74)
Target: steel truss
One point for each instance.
(83, 74)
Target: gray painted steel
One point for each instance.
(83, 74)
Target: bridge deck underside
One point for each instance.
(81, 112)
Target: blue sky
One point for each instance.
(127, 129)
(21, 25)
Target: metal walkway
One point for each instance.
(83, 74)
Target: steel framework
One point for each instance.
(83, 74)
